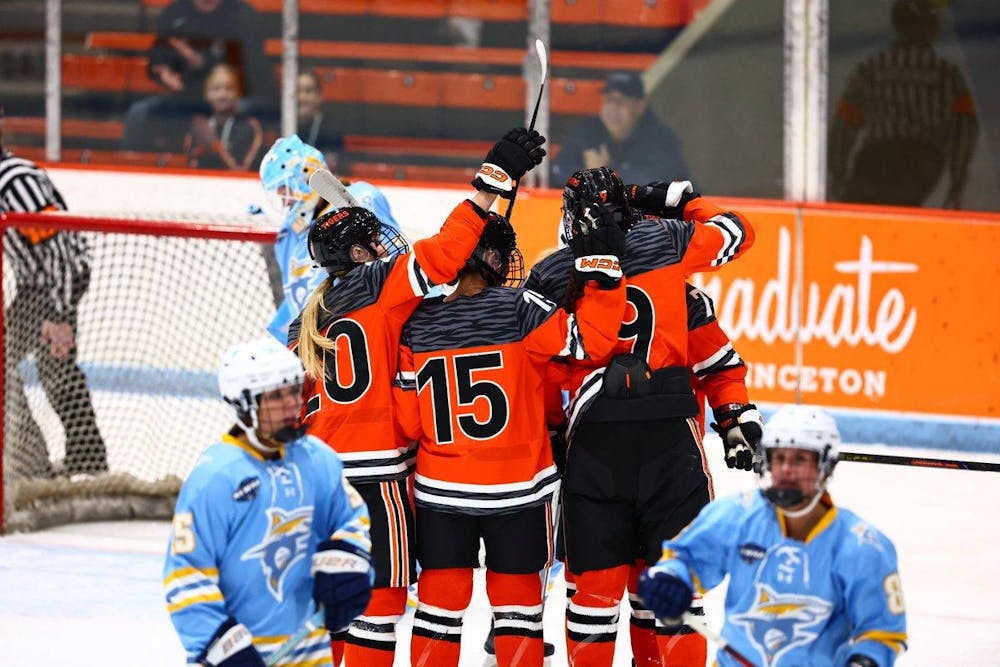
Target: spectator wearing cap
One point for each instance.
(625, 135)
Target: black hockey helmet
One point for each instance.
(333, 236)
(602, 184)
(496, 255)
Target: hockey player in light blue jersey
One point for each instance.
(265, 527)
(284, 175)
(810, 583)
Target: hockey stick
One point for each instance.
(919, 461)
(312, 623)
(329, 187)
(697, 623)
(543, 60)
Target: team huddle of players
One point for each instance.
(437, 374)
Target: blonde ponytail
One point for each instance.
(313, 344)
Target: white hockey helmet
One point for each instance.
(807, 427)
(250, 369)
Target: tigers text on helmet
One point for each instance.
(805, 427)
(285, 171)
(592, 185)
(497, 256)
(337, 239)
(254, 368)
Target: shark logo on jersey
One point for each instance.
(866, 534)
(285, 542)
(778, 622)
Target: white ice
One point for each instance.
(90, 594)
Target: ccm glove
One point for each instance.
(597, 243)
(740, 427)
(232, 646)
(509, 159)
(662, 199)
(666, 595)
(342, 582)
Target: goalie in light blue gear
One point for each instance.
(284, 175)
(810, 583)
(265, 526)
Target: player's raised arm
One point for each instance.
(720, 235)
(442, 256)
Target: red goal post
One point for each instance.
(165, 298)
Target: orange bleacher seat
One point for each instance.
(393, 52)
(499, 92)
(107, 73)
(305, 6)
(490, 10)
(484, 91)
(638, 13)
(575, 96)
(71, 127)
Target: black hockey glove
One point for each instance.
(342, 582)
(232, 646)
(597, 244)
(858, 660)
(510, 159)
(740, 427)
(662, 199)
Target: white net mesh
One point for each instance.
(111, 429)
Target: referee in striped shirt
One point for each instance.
(52, 272)
(906, 116)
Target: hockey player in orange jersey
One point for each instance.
(348, 338)
(619, 495)
(716, 372)
(471, 390)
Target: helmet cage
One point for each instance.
(334, 235)
(497, 256)
(602, 184)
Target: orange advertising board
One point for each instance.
(872, 308)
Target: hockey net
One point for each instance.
(165, 299)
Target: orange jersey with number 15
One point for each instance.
(471, 390)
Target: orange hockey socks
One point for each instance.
(437, 625)
(371, 639)
(517, 618)
(592, 616)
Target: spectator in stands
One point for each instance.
(905, 117)
(316, 128)
(193, 36)
(624, 135)
(226, 139)
(51, 271)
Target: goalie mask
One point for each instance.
(249, 370)
(793, 429)
(342, 239)
(592, 185)
(496, 256)
(284, 175)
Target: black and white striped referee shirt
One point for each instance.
(53, 263)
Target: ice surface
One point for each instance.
(90, 594)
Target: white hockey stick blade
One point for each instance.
(543, 59)
(329, 187)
